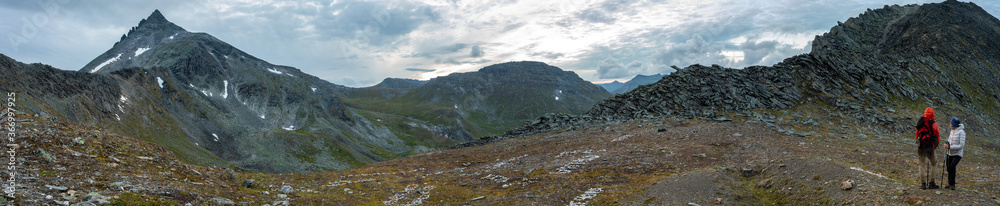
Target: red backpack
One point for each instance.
(925, 135)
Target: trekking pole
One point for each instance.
(944, 167)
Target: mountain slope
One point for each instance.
(894, 58)
(486, 102)
(192, 92)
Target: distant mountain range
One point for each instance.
(617, 87)
(399, 83)
(213, 104)
(487, 102)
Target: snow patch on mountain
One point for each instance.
(289, 128)
(225, 89)
(140, 51)
(109, 61)
(313, 88)
(160, 82)
(216, 137)
(274, 71)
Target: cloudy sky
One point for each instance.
(358, 43)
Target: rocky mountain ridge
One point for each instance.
(212, 104)
(874, 69)
(215, 105)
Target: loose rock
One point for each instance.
(765, 184)
(222, 201)
(249, 183)
(57, 188)
(846, 185)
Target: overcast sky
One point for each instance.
(358, 43)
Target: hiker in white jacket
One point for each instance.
(954, 145)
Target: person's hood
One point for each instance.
(929, 114)
(961, 127)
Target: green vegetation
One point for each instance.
(133, 199)
(750, 190)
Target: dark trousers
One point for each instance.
(952, 161)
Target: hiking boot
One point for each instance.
(933, 186)
(952, 187)
(923, 186)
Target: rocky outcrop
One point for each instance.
(701, 91)
(898, 53)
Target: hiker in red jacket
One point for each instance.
(928, 137)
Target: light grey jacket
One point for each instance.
(957, 141)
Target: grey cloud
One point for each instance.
(693, 51)
(373, 22)
(610, 68)
(607, 12)
(455, 61)
(476, 52)
(767, 52)
(753, 53)
(434, 52)
(420, 70)
(548, 55)
(634, 66)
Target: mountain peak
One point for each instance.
(156, 16)
(156, 23)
